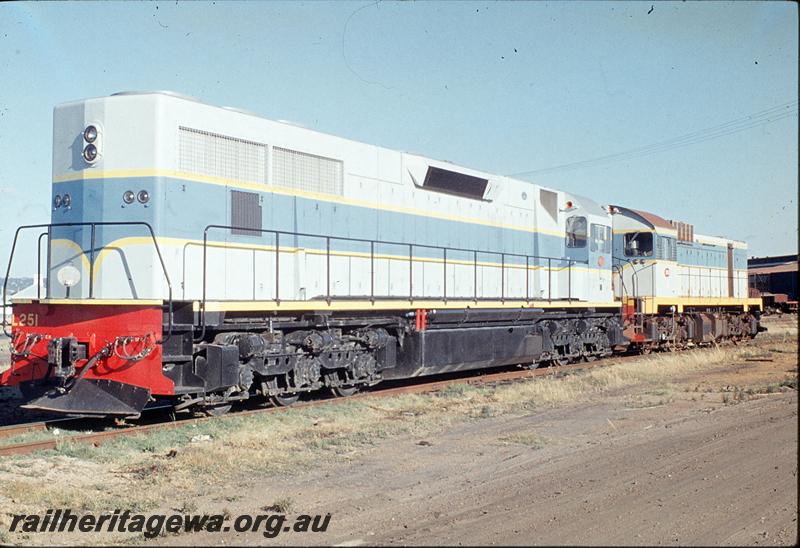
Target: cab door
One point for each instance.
(599, 262)
(573, 273)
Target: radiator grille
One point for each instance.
(245, 213)
(215, 155)
(307, 172)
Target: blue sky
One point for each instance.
(500, 86)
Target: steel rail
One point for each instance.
(11, 430)
(24, 428)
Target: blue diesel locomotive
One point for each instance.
(199, 255)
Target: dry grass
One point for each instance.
(654, 372)
(161, 469)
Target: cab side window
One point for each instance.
(576, 232)
(639, 244)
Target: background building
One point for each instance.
(774, 279)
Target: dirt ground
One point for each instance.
(608, 475)
(706, 457)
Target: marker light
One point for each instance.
(143, 196)
(57, 201)
(90, 153)
(90, 134)
(66, 201)
(128, 197)
(569, 205)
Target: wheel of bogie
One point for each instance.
(344, 391)
(644, 350)
(589, 357)
(217, 410)
(560, 361)
(284, 400)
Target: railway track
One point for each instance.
(97, 438)
(30, 427)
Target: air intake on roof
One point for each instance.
(451, 182)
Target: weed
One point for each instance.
(525, 438)
(486, 412)
(789, 383)
(283, 505)
(188, 507)
(455, 390)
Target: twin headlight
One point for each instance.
(91, 141)
(65, 200)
